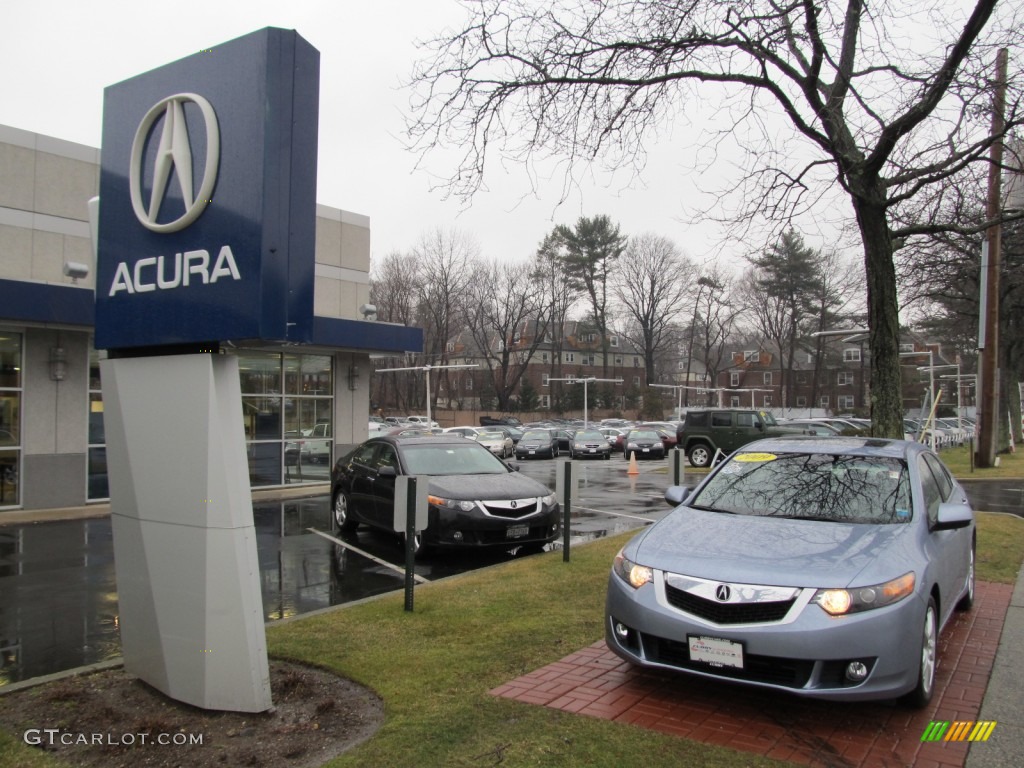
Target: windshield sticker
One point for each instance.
(756, 457)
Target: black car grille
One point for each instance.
(776, 670)
(512, 510)
(727, 613)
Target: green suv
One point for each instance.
(703, 433)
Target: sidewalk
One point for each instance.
(1004, 696)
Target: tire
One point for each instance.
(967, 601)
(342, 517)
(928, 661)
(554, 452)
(700, 455)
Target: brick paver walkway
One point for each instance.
(596, 682)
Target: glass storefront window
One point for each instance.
(292, 424)
(288, 435)
(259, 373)
(97, 486)
(308, 375)
(10, 418)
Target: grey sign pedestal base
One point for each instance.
(191, 612)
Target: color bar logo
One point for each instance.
(958, 730)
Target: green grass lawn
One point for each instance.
(434, 666)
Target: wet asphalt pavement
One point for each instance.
(58, 592)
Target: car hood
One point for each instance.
(507, 486)
(764, 550)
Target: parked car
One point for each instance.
(475, 499)
(496, 441)
(706, 432)
(825, 567)
(493, 421)
(644, 444)
(612, 434)
(537, 444)
(422, 421)
(589, 444)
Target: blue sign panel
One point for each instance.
(207, 219)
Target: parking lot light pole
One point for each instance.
(585, 381)
(679, 388)
(427, 369)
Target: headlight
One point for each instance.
(549, 500)
(838, 602)
(633, 574)
(465, 506)
(580, 446)
(631, 444)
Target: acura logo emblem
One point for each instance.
(174, 152)
(723, 593)
(514, 504)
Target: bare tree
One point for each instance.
(393, 282)
(653, 281)
(889, 100)
(715, 314)
(444, 258)
(506, 323)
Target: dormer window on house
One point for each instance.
(751, 357)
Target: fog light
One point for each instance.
(621, 630)
(457, 536)
(856, 671)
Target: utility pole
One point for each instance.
(988, 394)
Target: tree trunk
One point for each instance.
(883, 317)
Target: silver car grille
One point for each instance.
(726, 603)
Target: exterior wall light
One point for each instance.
(58, 363)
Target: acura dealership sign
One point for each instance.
(208, 198)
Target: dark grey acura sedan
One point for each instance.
(825, 567)
(475, 499)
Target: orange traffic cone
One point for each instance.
(633, 468)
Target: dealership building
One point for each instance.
(301, 404)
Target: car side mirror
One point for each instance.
(677, 494)
(388, 471)
(952, 516)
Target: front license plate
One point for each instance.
(647, 450)
(593, 450)
(517, 531)
(532, 452)
(716, 651)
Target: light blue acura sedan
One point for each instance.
(822, 566)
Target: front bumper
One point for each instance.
(475, 529)
(805, 653)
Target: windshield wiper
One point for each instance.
(712, 509)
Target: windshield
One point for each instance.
(643, 434)
(490, 435)
(468, 459)
(768, 419)
(589, 435)
(536, 434)
(846, 489)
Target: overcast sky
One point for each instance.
(56, 57)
